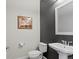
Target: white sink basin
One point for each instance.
(63, 50)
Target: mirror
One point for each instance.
(64, 19)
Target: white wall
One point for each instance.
(31, 37)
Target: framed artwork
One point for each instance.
(24, 22)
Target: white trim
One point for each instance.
(63, 4)
(64, 33)
(56, 20)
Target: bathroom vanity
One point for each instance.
(52, 54)
(63, 50)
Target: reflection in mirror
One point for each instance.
(64, 19)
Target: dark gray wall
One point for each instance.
(47, 23)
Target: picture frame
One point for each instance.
(24, 22)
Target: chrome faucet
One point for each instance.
(64, 42)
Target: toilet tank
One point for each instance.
(43, 47)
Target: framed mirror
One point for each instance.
(64, 19)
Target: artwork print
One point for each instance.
(24, 22)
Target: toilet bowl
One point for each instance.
(35, 54)
(38, 54)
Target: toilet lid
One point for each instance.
(34, 53)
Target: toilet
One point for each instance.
(38, 54)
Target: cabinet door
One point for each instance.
(52, 54)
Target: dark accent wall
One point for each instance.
(47, 23)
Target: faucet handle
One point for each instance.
(63, 41)
(69, 42)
